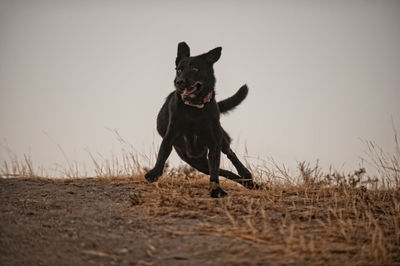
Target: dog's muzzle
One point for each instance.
(206, 99)
(189, 94)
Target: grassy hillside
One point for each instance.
(117, 218)
(126, 221)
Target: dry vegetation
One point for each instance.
(312, 218)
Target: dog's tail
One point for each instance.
(230, 103)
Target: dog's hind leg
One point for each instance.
(246, 179)
(202, 166)
(242, 170)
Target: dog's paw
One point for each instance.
(152, 175)
(250, 184)
(217, 191)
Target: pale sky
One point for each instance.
(323, 75)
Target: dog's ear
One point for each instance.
(213, 55)
(183, 51)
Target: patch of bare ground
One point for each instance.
(126, 221)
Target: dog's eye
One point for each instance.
(195, 69)
(179, 70)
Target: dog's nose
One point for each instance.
(179, 82)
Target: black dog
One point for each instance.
(189, 121)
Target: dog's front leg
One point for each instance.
(214, 157)
(163, 153)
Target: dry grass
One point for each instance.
(295, 223)
(311, 218)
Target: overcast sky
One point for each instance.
(323, 75)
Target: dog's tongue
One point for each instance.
(189, 91)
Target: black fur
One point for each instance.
(230, 103)
(189, 121)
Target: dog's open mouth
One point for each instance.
(191, 91)
(190, 96)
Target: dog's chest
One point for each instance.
(194, 145)
(191, 140)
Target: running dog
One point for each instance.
(189, 121)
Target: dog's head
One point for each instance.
(195, 79)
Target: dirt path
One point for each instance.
(105, 222)
(130, 222)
